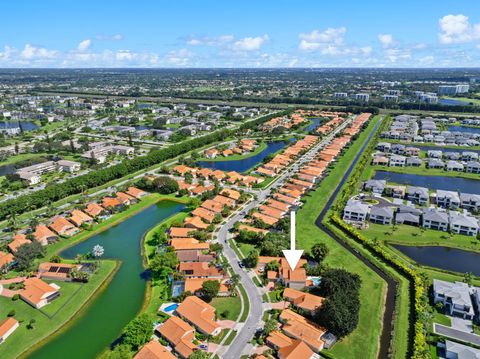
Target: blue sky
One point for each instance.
(261, 33)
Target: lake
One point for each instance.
(451, 259)
(465, 185)
(315, 123)
(245, 164)
(444, 149)
(102, 322)
(451, 102)
(464, 129)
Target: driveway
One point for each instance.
(464, 325)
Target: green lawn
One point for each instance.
(228, 308)
(245, 248)
(441, 319)
(363, 342)
(73, 297)
(22, 157)
(246, 304)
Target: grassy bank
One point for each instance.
(74, 297)
(363, 342)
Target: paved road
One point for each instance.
(456, 334)
(254, 319)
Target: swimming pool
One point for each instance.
(171, 307)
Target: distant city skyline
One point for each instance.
(53, 33)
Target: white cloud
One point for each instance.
(32, 52)
(456, 29)
(180, 57)
(250, 43)
(426, 60)
(84, 45)
(328, 40)
(210, 41)
(385, 39)
(117, 37)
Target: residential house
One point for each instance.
(18, 240)
(94, 209)
(447, 199)
(63, 227)
(454, 166)
(78, 218)
(395, 191)
(435, 163)
(68, 166)
(38, 293)
(376, 186)
(397, 161)
(6, 261)
(199, 314)
(381, 215)
(187, 243)
(435, 219)
(179, 334)
(297, 350)
(470, 201)
(44, 235)
(417, 195)
(455, 297)
(200, 270)
(473, 167)
(455, 350)
(465, 224)
(305, 301)
(379, 160)
(154, 350)
(111, 203)
(356, 211)
(57, 271)
(7, 327)
(297, 327)
(135, 192)
(414, 162)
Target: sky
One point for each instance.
(234, 33)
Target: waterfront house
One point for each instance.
(435, 219)
(469, 156)
(154, 350)
(381, 215)
(356, 211)
(397, 161)
(199, 314)
(125, 199)
(111, 203)
(454, 166)
(435, 163)
(376, 186)
(414, 162)
(78, 218)
(38, 293)
(470, 201)
(380, 160)
(461, 223)
(417, 195)
(398, 149)
(135, 192)
(63, 227)
(180, 232)
(7, 327)
(297, 349)
(384, 146)
(434, 154)
(473, 167)
(455, 297)
(179, 334)
(187, 243)
(407, 218)
(200, 270)
(447, 199)
(412, 151)
(94, 209)
(56, 271)
(44, 235)
(395, 191)
(454, 156)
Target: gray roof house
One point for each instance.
(397, 161)
(417, 194)
(459, 351)
(452, 156)
(356, 211)
(435, 163)
(469, 156)
(454, 166)
(407, 218)
(473, 167)
(435, 219)
(414, 162)
(398, 149)
(376, 186)
(448, 199)
(381, 215)
(434, 154)
(463, 224)
(384, 146)
(455, 297)
(470, 201)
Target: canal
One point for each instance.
(475, 130)
(245, 164)
(103, 320)
(465, 185)
(446, 258)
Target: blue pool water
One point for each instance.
(171, 308)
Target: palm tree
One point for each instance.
(234, 281)
(97, 252)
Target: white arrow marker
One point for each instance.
(292, 255)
